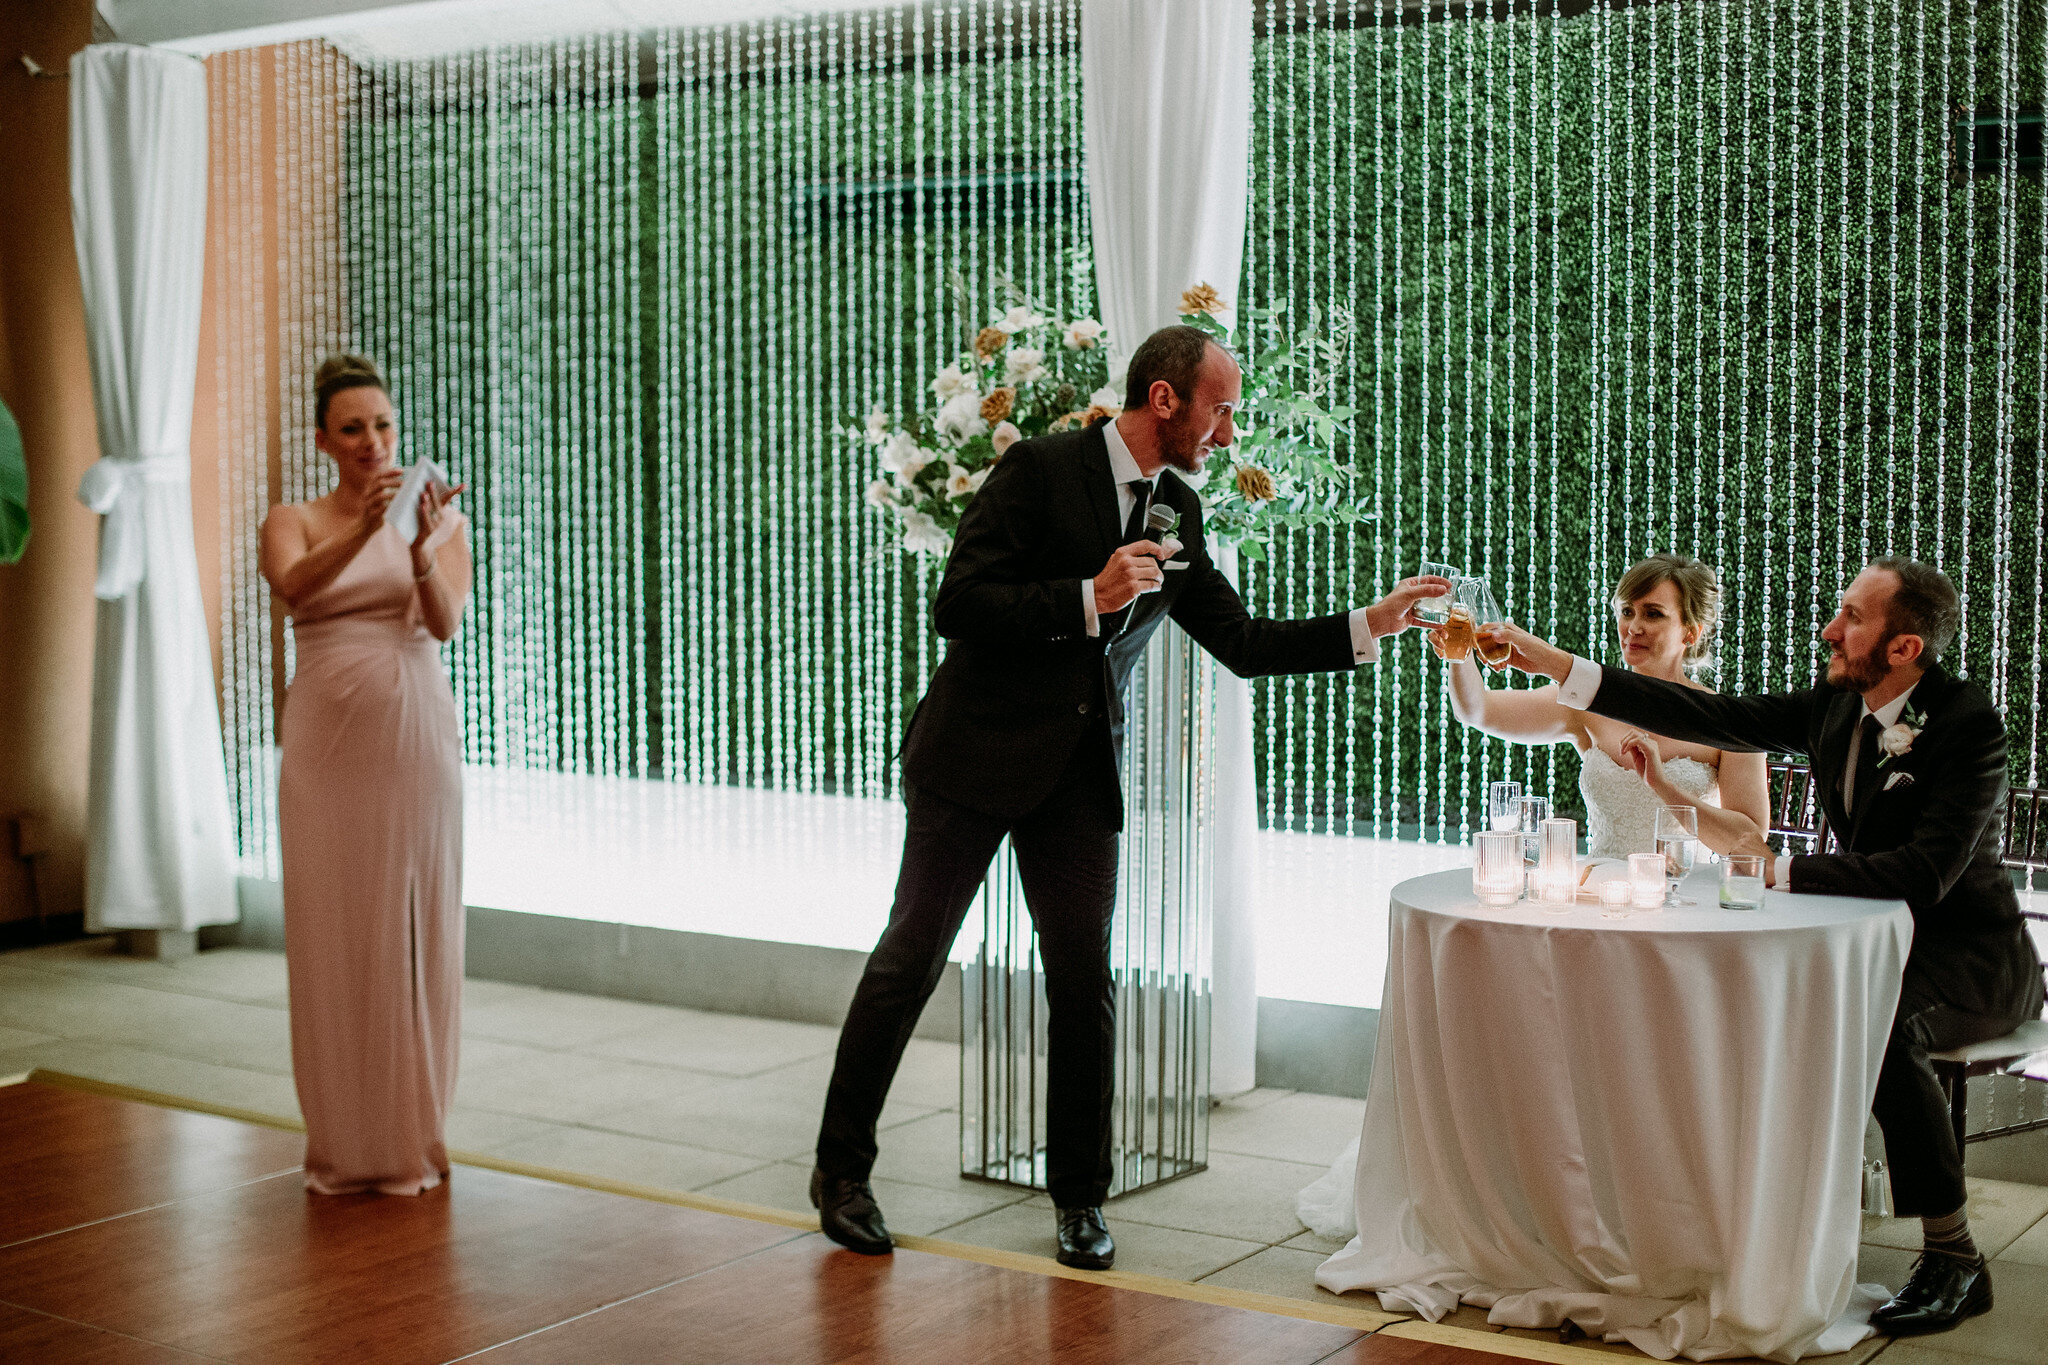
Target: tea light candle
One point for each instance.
(1497, 875)
(1614, 894)
(1646, 880)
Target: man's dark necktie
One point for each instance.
(1867, 755)
(1141, 501)
(1134, 529)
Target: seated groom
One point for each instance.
(1910, 763)
(1050, 595)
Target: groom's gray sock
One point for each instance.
(1951, 1236)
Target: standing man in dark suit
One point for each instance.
(1051, 593)
(1910, 762)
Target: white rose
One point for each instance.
(951, 384)
(978, 478)
(1082, 334)
(959, 421)
(1023, 365)
(959, 483)
(1897, 740)
(1105, 397)
(1003, 437)
(901, 450)
(1019, 319)
(922, 536)
(906, 477)
(879, 494)
(877, 425)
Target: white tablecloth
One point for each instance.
(1652, 1126)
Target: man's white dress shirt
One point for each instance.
(1123, 471)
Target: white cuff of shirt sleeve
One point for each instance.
(1364, 648)
(1781, 872)
(1580, 684)
(1088, 608)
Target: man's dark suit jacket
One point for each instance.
(1023, 683)
(1929, 837)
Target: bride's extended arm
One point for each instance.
(1532, 717)
(1737, 825)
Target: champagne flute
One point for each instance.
(1476, 594)
(1678, 832)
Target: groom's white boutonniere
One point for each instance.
(1896, 740)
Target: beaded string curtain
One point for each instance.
(1692, 277)
(1677, 276)
(629, 288)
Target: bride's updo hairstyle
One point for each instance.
(338, 374)
(1699, 597)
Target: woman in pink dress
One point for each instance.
(370, 803)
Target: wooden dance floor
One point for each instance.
(131, 1232)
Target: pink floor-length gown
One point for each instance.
(370, 816)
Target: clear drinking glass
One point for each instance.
(1476, 596)
(1678, 834)
(1532, 812)
(1557, 868)
(1503, 806)
(1742, 881)
(1437, 610)
(1646, 880)
(1497, 875)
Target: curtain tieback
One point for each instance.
(110, 487)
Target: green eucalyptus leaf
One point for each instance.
(14, 527)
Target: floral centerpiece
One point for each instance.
(1025, 374)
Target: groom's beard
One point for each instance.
(1859, 674)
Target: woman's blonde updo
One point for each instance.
(338, 374)
(1699, 597)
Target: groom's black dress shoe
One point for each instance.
(1085, 1243)
(1941, 1292)
(848, 1214)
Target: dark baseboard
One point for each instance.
(30, 933)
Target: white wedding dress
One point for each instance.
(1621, 818)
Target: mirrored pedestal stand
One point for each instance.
(1159, 958)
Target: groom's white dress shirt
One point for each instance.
(1584, 680)
(1123, 471)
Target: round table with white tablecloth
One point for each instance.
(1652, 1126)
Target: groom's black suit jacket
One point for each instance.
(1929, 838)
(1023, 684)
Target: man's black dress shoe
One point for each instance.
(1085, 1243)
(1941, 1292)
(848, 1214)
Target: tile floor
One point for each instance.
(726, 1105)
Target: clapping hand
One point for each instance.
(1642, 753)
(433, 499)
(1396, 611)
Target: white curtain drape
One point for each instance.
(1166, 97)
(159, 854)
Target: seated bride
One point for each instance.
(1665, 609)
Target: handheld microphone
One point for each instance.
(1160, 522)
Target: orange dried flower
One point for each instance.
(998, 405)
(989, 342)
(1254, 483)
(1202, 298)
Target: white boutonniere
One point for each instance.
(1896, 740)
